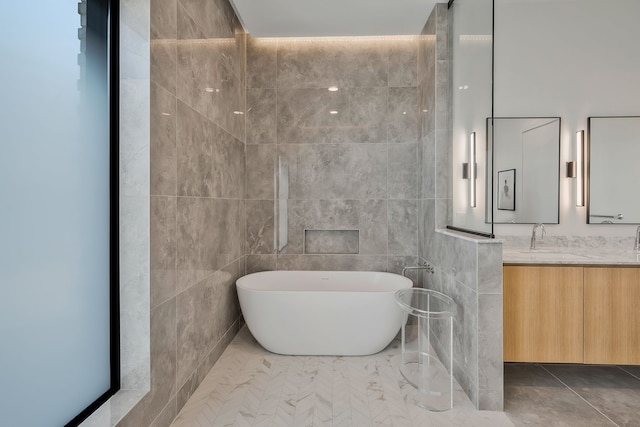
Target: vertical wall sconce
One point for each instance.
(472, 170)
(579, 168)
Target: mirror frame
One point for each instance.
(490, 123)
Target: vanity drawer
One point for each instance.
(612, 315)
(543, 314)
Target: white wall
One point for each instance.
(573, 59)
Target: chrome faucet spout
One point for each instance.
(425, 266)
(543, 231)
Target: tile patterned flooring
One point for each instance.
(249, 386)
(572, 395)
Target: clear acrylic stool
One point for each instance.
(427, 346)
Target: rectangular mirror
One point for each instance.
(614, 150)
(526, 170)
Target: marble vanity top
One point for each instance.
(564, 251)
(568, 256)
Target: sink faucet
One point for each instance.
(533, 234)
(636, 247)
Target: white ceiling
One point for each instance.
(322, 18)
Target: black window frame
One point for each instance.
(102, 46)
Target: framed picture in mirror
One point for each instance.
(507, 190)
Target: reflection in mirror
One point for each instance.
(614, 150)
(526, 168)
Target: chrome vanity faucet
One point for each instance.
(533, 234)
(636, 247)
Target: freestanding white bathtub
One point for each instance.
(338, 313)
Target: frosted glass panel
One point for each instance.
(54, 217)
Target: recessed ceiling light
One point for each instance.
(333, 88)
(208, 89)
(333, 112)
(238, 112)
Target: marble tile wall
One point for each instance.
(354, 169)
(197, 204)
(467, 269)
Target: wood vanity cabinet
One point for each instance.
(543, 314)
(571, 314)
(612, 315)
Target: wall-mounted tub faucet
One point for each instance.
(533, 234)
(636, 247)
(425, 266)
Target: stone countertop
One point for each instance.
(570, 250)
(549, 255)
(562, 255)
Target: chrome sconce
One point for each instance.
(469, 170)
(576, 169)
(579, 168)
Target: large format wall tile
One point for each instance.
(163, 168)
(256, 263)
(210, 161)
(197, 208)
(261, 64)
(402, 64)
(443, 165)
(210, 236)
(163, 19)
(403, 224)
(187, 28)
(320, 64)
(163, 63)
(163, 355)
(162, 250)
(402, 114)
(490, 269)
(367, 216)
(260, 227)
(404, 171)
(261, 116)
(261, 164)
(215, 18)
(311, 115)
(335, 171)
(490, 363)
(428, 166)
(204, 313)
(209, 84)
(332, 262)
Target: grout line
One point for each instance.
(627, 372)
(577, 394)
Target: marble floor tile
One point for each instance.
(609, 389)
(249, 386)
